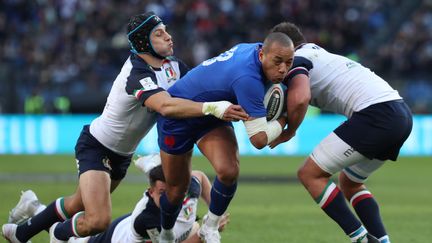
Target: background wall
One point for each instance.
(52, 134)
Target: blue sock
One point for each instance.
(63, 231)
(221, 196)
(53, 213)
(333, 203)
(368, 211)
(169, 212)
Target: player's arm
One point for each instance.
(249, 91)
(144, 88)
(299, 95)
(205, 185)
(166, 105)
(261, 132)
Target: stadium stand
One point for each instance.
(73, 49)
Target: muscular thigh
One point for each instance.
(220, 147)
(95, 193)
(333, 155)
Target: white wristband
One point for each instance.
(274, 129)
(216, 108)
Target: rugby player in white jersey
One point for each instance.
(143, 223)
(378, 123)
(105, 147)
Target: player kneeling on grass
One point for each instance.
(143, 224)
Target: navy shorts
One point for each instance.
(92, 155)
(378, 131)
(178, 136)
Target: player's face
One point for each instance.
(156, 191)
(161, 41)
(276, 61)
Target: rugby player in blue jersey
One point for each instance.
(239, 76)
(106, 146)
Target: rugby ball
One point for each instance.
(275, 100)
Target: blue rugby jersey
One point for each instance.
(235, 75)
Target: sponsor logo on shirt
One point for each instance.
(148, 84)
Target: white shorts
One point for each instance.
(333, 155)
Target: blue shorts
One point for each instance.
(92, 155)
(178, 136)
(378, 131)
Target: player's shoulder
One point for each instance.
(194, 187)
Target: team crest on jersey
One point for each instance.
(107, 163)
(170, 73)
(187, 211)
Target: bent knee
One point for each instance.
(228, 175)
(310, 170)
(95, 224)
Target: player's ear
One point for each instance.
(261, 54)
(151, 191)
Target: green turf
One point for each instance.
(259, 212)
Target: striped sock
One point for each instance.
(68, 228)
(333, 203)
(359, 235)
(169, 212)
(367, 210)
(384, 239)
(221, 196)
(54, 212)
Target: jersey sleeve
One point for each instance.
(301, 65)
(194, 188)
(142, 84)
(249, 92)
(147, 220)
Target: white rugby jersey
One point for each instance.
(125, 120)
(339, 84)
(143, 225)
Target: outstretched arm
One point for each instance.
(166, 105)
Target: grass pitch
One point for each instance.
(262, 211)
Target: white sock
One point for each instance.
(212, 220)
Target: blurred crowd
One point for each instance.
(60, 56)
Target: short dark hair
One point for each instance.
(139, 29)
(290, 30)
(276, 37)
(156, 174)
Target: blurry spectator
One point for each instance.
(34, 104)
(66, 45)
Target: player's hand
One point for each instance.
(224, 221)
(285, 136)
(235, 113)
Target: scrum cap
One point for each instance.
(139, 29)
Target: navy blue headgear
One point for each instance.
(139, 29)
